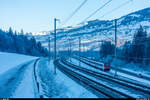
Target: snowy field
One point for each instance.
(10, 60)
(16, 76)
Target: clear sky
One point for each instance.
(38, 15)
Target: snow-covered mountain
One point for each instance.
(93, 31)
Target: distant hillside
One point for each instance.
(96, 30)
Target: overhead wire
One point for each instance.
(74, 12)
(91, 13)
(107, 12)
(96, 11)
(71, 15)
(123, 4)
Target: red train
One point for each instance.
(105, 66)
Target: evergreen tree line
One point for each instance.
(19, 43)
(107, 48)
(137, 50)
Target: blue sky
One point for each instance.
(38, 15)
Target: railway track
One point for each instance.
(124, 71)
(36, 80)
(97, 88)
(130, 88)
(118, 78)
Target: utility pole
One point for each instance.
(68, 53)
(116, 45)
(55, 44)
(79, 51)
(144, 59)
(70, 49)
(49, 46)
(83, 50)
(100, 43)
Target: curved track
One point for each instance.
(94, 65)
(97, 87)
(130, 86)
(97, 63)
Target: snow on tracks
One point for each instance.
(112, 81)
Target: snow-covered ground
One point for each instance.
(112, 72)
(16, 76)
(10, 60)
(17, 79)
(59, 85)
(112, 85)
(132, 67)
(27, 87)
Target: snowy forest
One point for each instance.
(20, 43)
(136, 51)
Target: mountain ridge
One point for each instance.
(97, 30)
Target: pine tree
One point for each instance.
(21, 33)
(138, 45)
(10, 32)
(20, 44)
(148, 50)
(126, 50)
(106, 49)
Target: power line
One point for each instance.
(107, 12)
(75, 11)
(96, 11)
(116, 9)
(104, 6)
(123, 4)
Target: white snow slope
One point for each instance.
(16, 76)
(10, 60)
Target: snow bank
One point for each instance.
(10, 60)
(16, 76)
(27, 87)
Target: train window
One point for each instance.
(107, 64)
